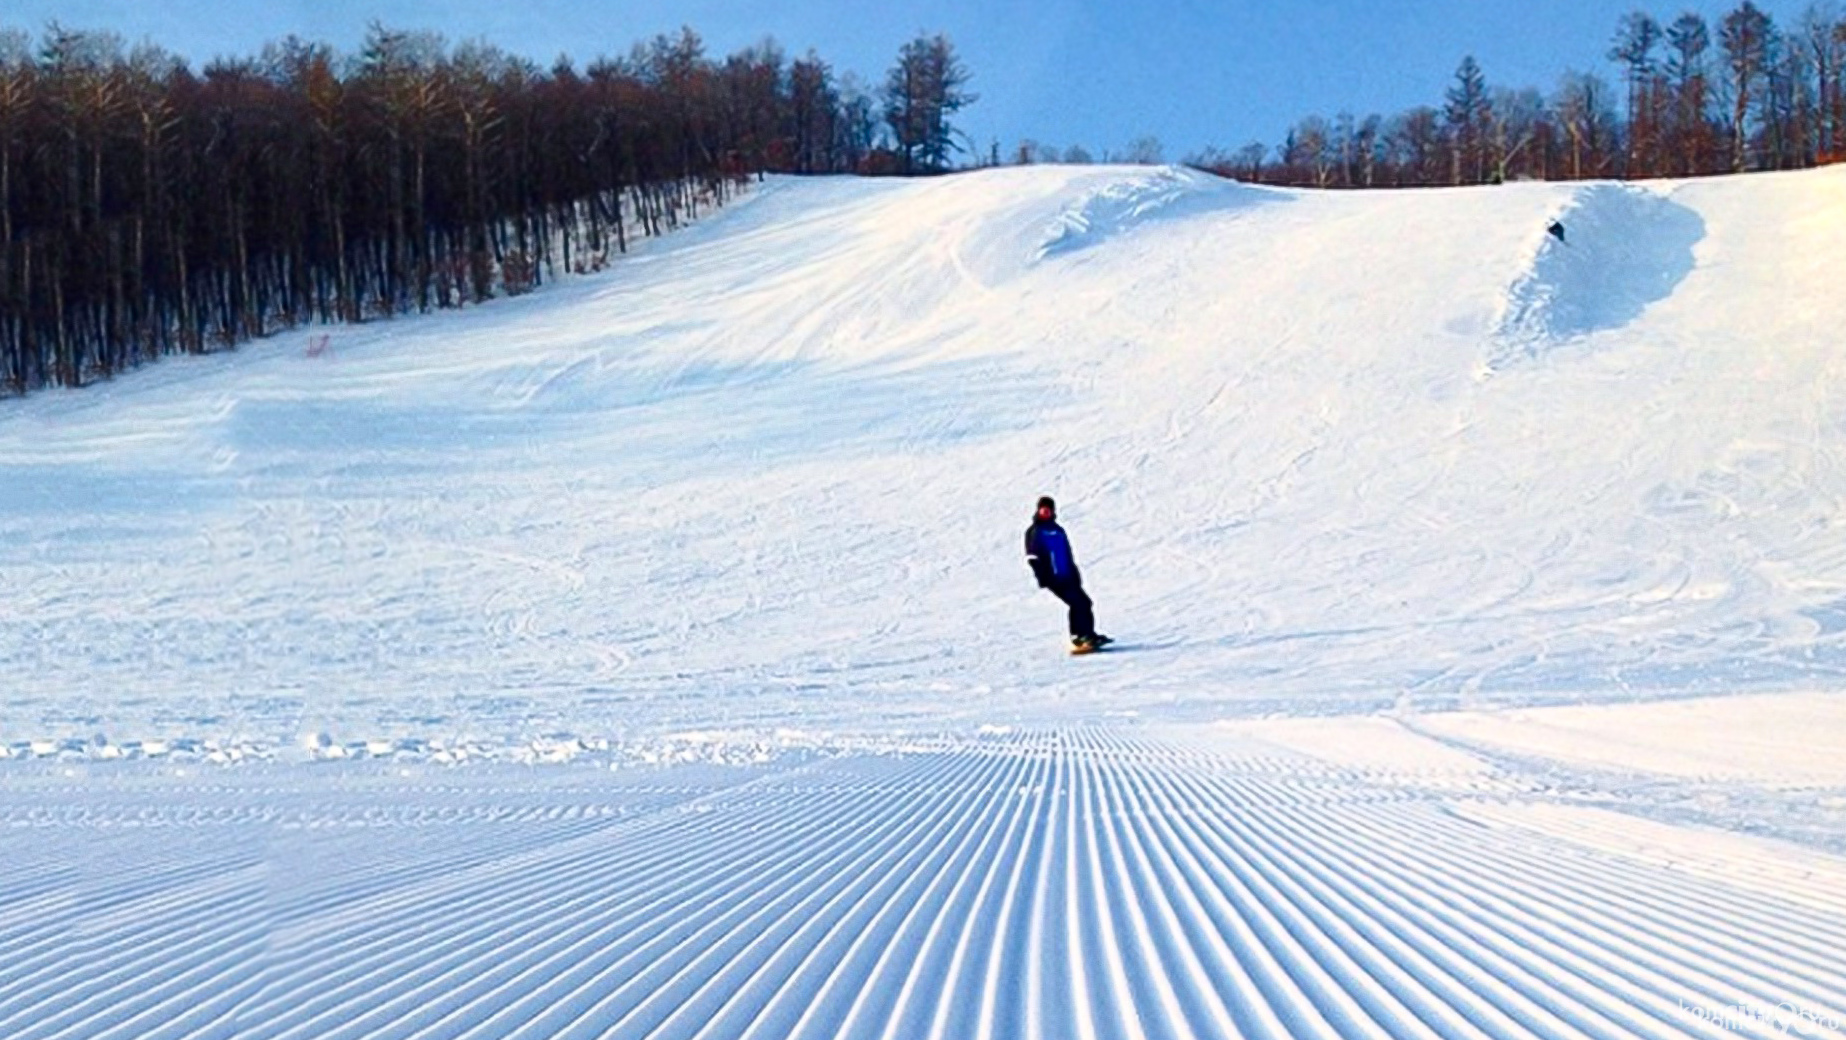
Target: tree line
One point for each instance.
(1694, 98)
(148, 210)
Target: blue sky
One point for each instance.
(1093, 72)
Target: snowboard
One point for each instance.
(1101, 643)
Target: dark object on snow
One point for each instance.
(1053, 563)
(1557, 231)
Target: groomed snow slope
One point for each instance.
(1318, 452)
(715, 561)
(1088, 883)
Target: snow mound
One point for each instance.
(1121, 206)
(1623, 248)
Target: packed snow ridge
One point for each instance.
(1120, 205)
(1606, 254)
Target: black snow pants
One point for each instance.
(1082, 616)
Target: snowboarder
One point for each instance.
(1055, 566)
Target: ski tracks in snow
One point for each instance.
(1079, 883)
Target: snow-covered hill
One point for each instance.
(1318, 452)
(1442, 554)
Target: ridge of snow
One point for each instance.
(1116, 208)
(1624, 247)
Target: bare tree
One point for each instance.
(18, 101)
(1308, 152)
(1366, 139)
(1635, 40)
(1418, 147)
(1822, 36)
(1588, 121)
(814, 110)
(1746, 37)
(857, 125)
(1837, 106)
(1690, 40)
(1345, 150)
(1790, 112)
(1515, 120)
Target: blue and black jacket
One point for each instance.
(1048, 551)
